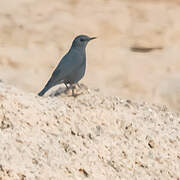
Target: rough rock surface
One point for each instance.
(87, 137)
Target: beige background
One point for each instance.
(34, 35)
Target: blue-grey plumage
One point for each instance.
(72, 66)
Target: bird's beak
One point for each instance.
(92, 38)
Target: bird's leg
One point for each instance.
(67, 87)
(72, 87)
(79, 85)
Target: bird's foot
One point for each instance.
(74, 89)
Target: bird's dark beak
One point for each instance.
(92, 38)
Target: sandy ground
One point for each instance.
(88, 137)
(136, 54)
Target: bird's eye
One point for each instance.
(81, 39)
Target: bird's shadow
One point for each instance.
(58, 92)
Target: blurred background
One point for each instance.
(136, 55)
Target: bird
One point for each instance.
(72, 66)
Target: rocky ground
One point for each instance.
(87, 137)
(136, 55)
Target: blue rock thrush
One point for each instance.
(72, 66)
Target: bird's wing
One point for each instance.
(69, 63)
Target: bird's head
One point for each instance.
(81, 41)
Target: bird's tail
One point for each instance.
(45, 89)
